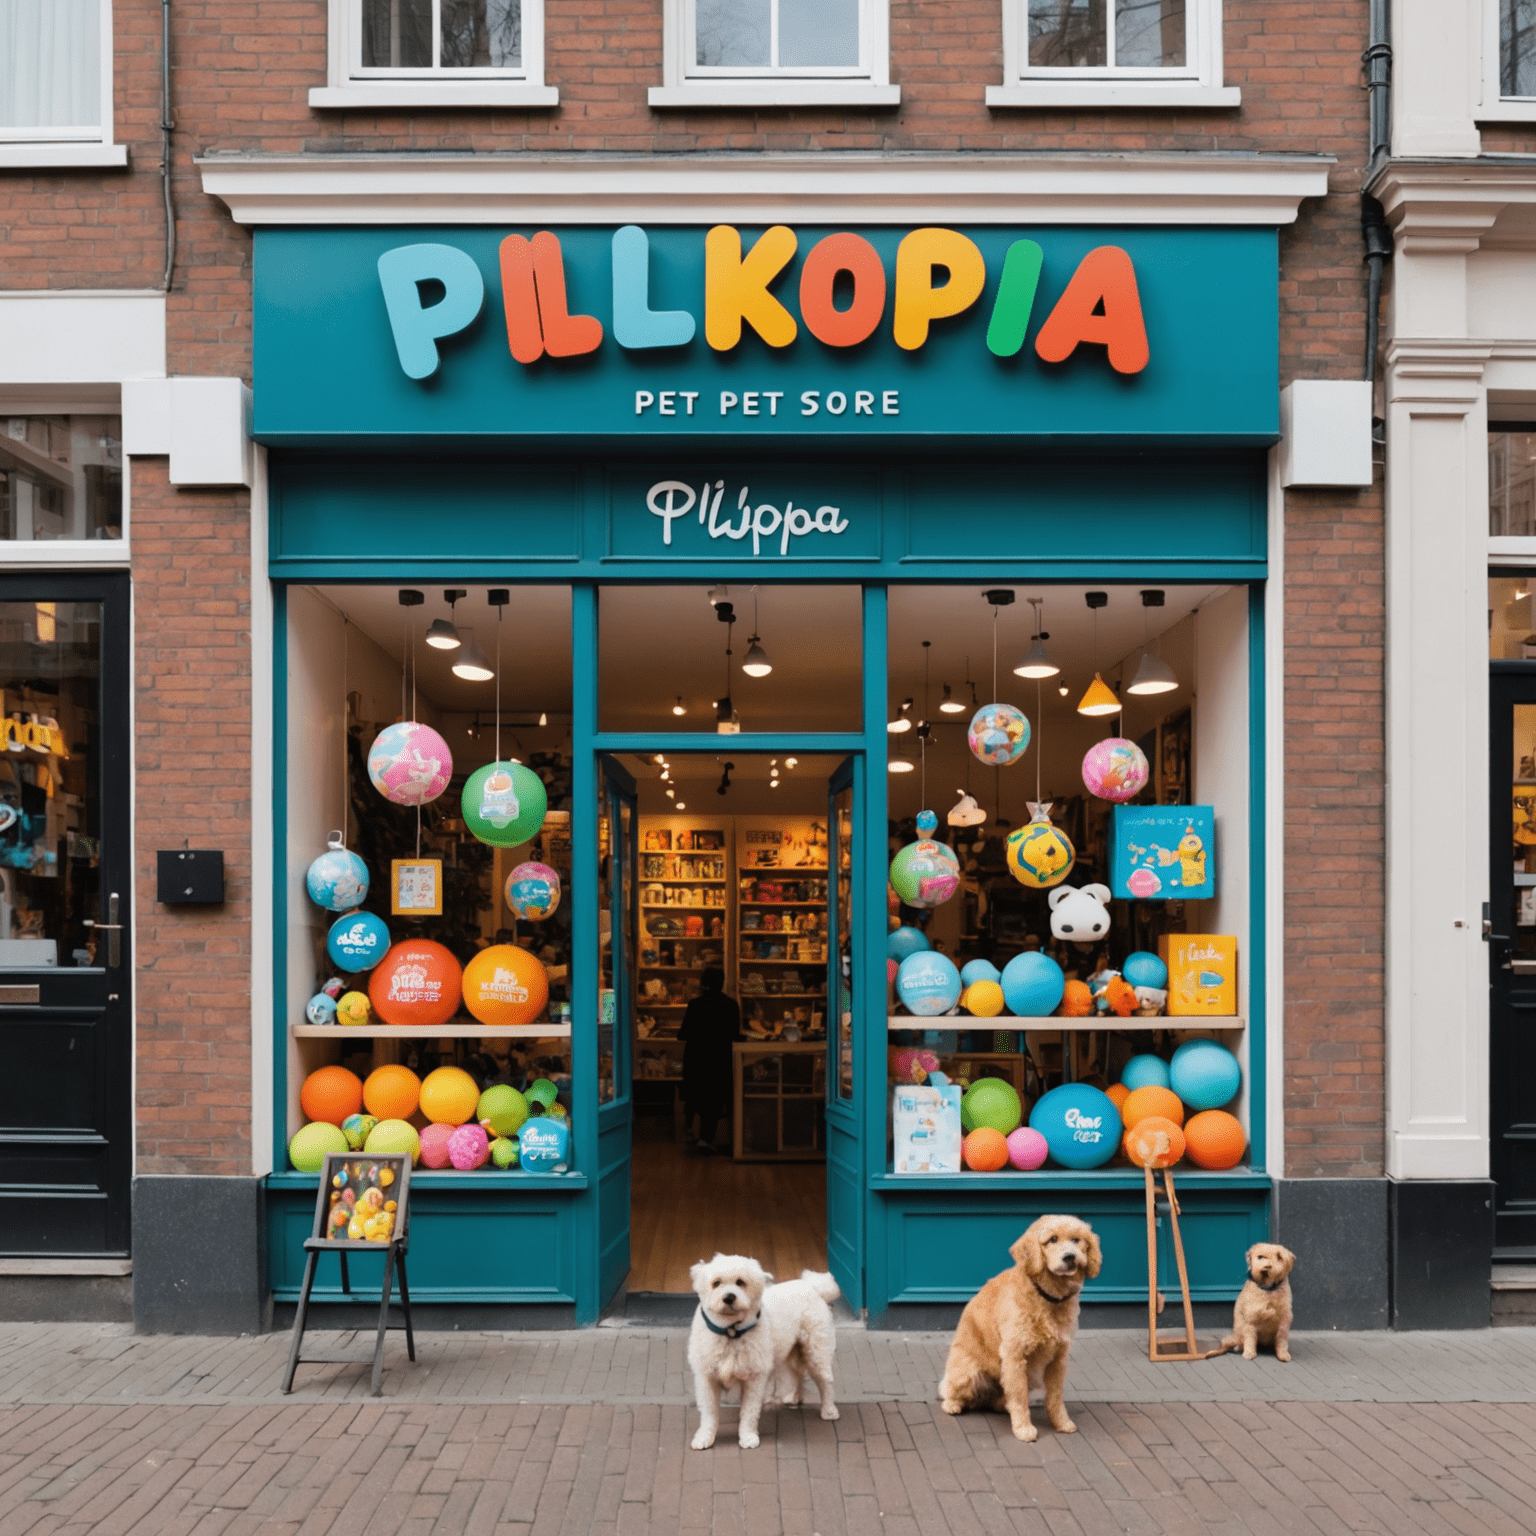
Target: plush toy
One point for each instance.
(1112, 993)
(912, 1066)
(1078, 913)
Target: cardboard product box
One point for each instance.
(1163, 852)
(925, 1129)
(1202, 973)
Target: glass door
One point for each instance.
(845, 1204)
(65, 1094)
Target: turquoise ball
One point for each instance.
(1081, 1126)
(928, 983)
(1205, 1074)
(1033, 985)
(905, 941)
(357, 941)
(1144, 969)
(1145, 1071)
(979, 970)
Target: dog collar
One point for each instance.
(731, 1330)
(1275, 1287)
(1055, 1301)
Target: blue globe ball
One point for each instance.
(337, 880)
(357, 941)
(1033, 985)
(928, 983)
(1081, 1126)
(1144, 969)
(906, 941)
(321, 1009)
(979, 970)
(1145, 1071)
(1205, 1074)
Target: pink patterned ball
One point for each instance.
(409, 763)
(468, 1147)
(1115, 769)
(1027, 1149)
(434, 1146)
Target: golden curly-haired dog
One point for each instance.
(1016, 1330)
(1262, 1312)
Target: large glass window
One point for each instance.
(1511, 483)
(776, 34)
(61, 477)
(1517, 47)
(50, 69)
(1107, 34)
(442, 35)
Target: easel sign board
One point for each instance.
(364, 1201)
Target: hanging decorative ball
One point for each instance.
(1115, 769)
(357, 942)
(927, 872)
(409, 763)
(338, 879)
(504, 804)
(533, 891)
(998, 734)
(1040, 854)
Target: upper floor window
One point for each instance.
(61, 477)
(424, 53)
(757, 53)
(1106, 53)
(56, 83)
(1517, 48)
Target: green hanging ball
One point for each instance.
(504, 804)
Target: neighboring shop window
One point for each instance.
(55, 83)
(1512, 617)
(61, 477)
(1517, 47)
(1511, 484)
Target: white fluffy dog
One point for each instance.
(750, 1333)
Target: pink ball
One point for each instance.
(1027, 1149)
(468, 1147)
(434, 1145)
(891, 967)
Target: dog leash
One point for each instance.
(731, 1330)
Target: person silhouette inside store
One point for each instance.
(711, 1026)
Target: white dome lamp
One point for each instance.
(1037, 662)
(1154, 675)
(473, 665)
(756, 663)
(443, 634)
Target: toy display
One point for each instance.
(925, 1128)
(901, 942)
(928, 983)
(357, 1129)
(501, 1110)
(320, 1009)
(352, 1009)
(1204, 1074)
(311, 1142)
(409, 763)
(533, 891)
(1027, 1149)
(1076, 1000)
(1115, 769)
(469, 1148)
(1112, 993)
(505, 986)
(984, 999)
(544, 1145)
(504, 804)
(985, 1150)
(338, 879)
(998, 735)
(392, 1092)
(333, 1093)
(1202, 974)
(504, 1152)
(394, 1136)
(990, 1101)
(1215, 1140)
(1079, 1123)
(1145, 1071)
(416, 983)
(1033, 984)
(449, 1095)
(1078, 914)
(357, 942)
(1163, 852)
(1151, 1101)
(1040, 854)
(925, 873)
(1154, 1142)
(434, 1144)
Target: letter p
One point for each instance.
(417, 324)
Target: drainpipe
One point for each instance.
(1377, 64)
(166, 125)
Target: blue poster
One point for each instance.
(1163, 852)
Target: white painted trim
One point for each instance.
(95, 1268)
(851, 188)
(1274, 827)
(61, 339)
(1512, 550)
(1493, 105)
(76, 147)
(774, 91)
(66, 554)
(58, 156)
(1138, 94)
(262, 684)
(133, 835)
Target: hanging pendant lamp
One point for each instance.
(1037, 662)
(1154, 675)
(1100, 698)
(443, 634)
(756, 662)
(473, 665)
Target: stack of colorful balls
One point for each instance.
(991, 1116)
(441, 1121)
(1174, 1109)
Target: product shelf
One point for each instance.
(453, 1030)
(650, 906)
(965, 1021)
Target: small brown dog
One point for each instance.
(1262, 1314)
(1016, 1331)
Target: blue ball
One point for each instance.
(1145, 1071)
(928, 983)
(906, 941)
(1033, 985)
(1144, 969)
(1205, 1074)
(1081, 1126)
(321, 1009)
(337, 880)
(978, 970)
(357, 941)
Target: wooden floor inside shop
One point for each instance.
(685, 1207)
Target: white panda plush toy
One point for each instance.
(1079, 913)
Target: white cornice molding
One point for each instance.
(1449, 206)
(756, 189)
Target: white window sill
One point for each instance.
(775, 92)
(395, 95)
(1522, 110)
(67, 553)
(1113, 93)
(57, 156)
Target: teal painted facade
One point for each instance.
(375, 477)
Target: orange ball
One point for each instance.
(1151, 1100)
(505, 986)
(392, 1092)
(417, 982)
(1118, 1093)
(1076, 1000)
(331, 1094)
(1215, 1139)
(449, 1096)
(985, 1150)
(1154, 1143)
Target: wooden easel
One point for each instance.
(1157, 1349)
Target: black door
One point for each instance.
(65, 1055)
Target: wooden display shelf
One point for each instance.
(683, 880)
(453, 1030)
(817, 904)
(966, 1021)
(786, 997)
(779, 960)
(650, 906)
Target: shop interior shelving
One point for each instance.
(453, 1030)
(1005, 1021)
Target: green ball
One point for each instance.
(542, 1092)
(994, 1103)
(357, 1129)
(502, 1110)
(394, 1136)
(967, 1119)
(504, 1152)
(311, 1142)
(504, 804)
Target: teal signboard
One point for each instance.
(752, 335)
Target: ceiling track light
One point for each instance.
(1037, 663)
(950, 706)
(473, 665)
(679, 708)
(1100, 698)
(443, 634)
(1154, 675)
(756, 662)
(901, 720)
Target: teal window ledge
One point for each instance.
(1062, 1178)
(424, 1180)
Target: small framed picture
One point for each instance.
(364, 1200)
(416, 887)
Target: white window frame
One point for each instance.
(65, 148)
(686, 84)
(1495, 106)
(348, 85)
(1197, 83)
